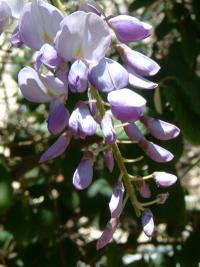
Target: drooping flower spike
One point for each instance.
(74, 51)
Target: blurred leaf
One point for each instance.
(22, 230)
(190, 252)
(165, 27)
(5, 240)
(140, 3)
(5, 188)
(188, 33)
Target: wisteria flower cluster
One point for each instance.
(71, 59)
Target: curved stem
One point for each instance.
(118, 157)
(59, 5)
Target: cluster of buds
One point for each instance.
(71, 59)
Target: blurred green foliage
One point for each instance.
(42, 216)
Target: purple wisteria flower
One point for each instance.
(87, 37)
(57, 149)
(140, 63)
(160, 129)
(164, 179)
(116, 201)
(81, 122)
(107, 234)
(49, 57)
(126, 105)
(108, 75)
(78, 77)
(39, 24)
(72, 53)
(108, 129)
(147, 222)
(83, 175)
(129, 29)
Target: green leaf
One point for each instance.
(184, 115)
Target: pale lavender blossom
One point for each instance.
(39, 88)
(78, 77)
(126, 105)
(39, 24)
(160, 129)
(87, 37)
(83, 175)
(164, 179)
(116, 201)
(108, 75)
(107, 234)
(57, 149)
(129, 29)
(58, 117)
(81, 122)
(147, 222)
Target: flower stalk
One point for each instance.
(118, 157)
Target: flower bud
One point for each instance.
(143, 188)
(140, 63)
(83, 175)
(81, 122)
(160, 129)
(109, 160)
(15, 38)
(108, 75)
(47, 56)
(147, 222)
(116, 201)
(133, 132)
(57, 148)
(164, 179)
(155, 152)
(107, 234)
(129, 29)
(126, 105)
(108, 129)
(78, 77)
(138, 81)
(161, 198)
(58, 117)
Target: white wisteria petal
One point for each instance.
(39, 23)
(83, 36)
(40, 89)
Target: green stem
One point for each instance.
(59, 5)
(118, 157)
